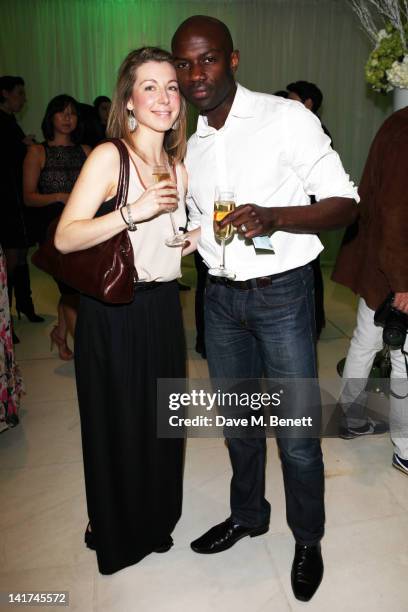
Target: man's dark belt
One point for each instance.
(251, 283)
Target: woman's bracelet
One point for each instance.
(131, 225)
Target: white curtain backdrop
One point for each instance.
(76, 46)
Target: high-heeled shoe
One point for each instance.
(90, 542)
(31, 316)
(64, 351)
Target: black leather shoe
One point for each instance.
(307, 571)
(223, 536)
(165, 546)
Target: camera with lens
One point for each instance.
(394, 322)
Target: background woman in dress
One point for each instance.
(133, 479)
(50, 172)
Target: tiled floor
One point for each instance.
(43, 512)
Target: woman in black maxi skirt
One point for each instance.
(133, 478)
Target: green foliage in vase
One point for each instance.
(389, 49)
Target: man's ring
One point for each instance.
(244, 228)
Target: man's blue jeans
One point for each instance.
(269, 332)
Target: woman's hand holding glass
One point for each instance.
(160, 172)
(159, 198)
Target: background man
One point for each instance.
(373, 261)
(274, 154)
(16, 227)
(307, 93)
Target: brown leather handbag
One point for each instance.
(105, 271)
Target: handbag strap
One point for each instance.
(123, 182)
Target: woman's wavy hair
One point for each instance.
(174, 140)
(58, 105)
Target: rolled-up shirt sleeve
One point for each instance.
(310, 155)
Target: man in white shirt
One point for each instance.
(274, 154)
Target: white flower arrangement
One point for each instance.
(387, 65)
(382, 34)
(397, 75)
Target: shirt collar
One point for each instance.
(241, 108)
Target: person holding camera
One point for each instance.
(373, 262)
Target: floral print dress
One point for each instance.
(11, 385)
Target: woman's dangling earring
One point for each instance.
(132, 122)
(175, 125)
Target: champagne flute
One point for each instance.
(162, 173)
(224, 203)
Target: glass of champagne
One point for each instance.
(162, 173)
(224, 203)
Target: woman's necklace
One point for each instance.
(144, 160)
(164, 165)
